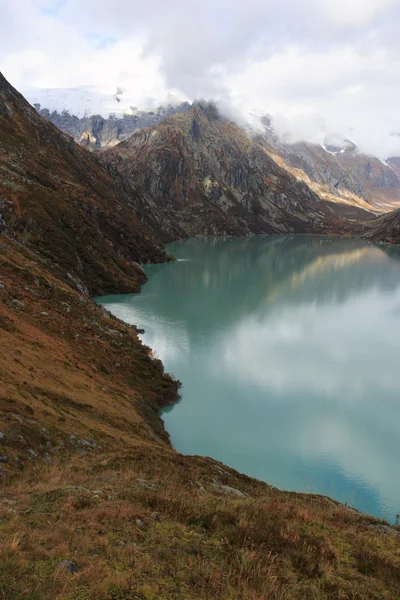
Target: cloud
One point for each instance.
(315, 64)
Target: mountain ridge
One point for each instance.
(335, 168)
(216, 179)
(58, 197)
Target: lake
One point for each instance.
(288, 349)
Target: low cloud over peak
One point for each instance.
(318, 65)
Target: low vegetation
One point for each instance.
(88, 476)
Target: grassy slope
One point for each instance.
(138, 519)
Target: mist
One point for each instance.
(317, 66)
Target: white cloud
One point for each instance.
(356, 12)
(316, 64)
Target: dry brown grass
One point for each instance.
(138, 527)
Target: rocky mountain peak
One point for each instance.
(337, 144)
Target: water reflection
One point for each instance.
(287, 348)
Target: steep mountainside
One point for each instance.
(340, 173)
(57, 197)
(385, 229)
(209, 177)
(336, 171)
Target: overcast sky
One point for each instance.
(317, 65)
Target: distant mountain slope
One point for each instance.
(338, 171)
(95, 131)
(210, 177)
(385, 229)
(57, 197)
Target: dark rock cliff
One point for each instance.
(57, 197)
(205, 175)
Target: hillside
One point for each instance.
(385, 229)
(208, 176)
(339, 173)
(57, 197)
(88, 477)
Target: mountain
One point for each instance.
(394, 163)
(57, 197)
(97, 132)
(91, 100)
(208, 176)
(337, 171)
(337, 144)
(385, 229)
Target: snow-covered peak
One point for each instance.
(92, 100)
(337, 144)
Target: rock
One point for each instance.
(68, 566)
(3, 458)
(385, 529)
(147, 484)
(17, 417)
(87, 443)
(105, 312)
(2, 436)
(79, 488)
(18, 303)
(226, 489)
(44, 314)
(114, 332)
(33, 293)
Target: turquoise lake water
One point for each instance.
(288, 349)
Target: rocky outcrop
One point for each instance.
(57, 197)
